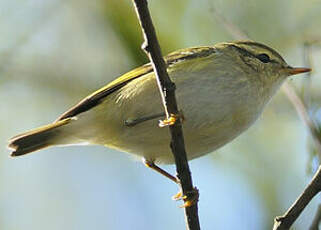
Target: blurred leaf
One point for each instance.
(122, 17)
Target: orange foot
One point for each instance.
(172, 119)
(190, 198)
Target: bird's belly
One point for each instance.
(203, 133)
(214, 115)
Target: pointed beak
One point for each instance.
(296, 70)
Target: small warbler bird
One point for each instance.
(221, 90)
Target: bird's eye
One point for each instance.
(264, 58)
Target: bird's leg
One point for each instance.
(190, 198)
(162, 123)
(152, 165)
(133, 122)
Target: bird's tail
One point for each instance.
(37, 139)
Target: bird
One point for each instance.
(221, 90)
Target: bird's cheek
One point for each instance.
(252, 64)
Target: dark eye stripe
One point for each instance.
(263, 58)
(245, 52)
(262, 46)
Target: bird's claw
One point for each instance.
(190, 198)
(172, 119)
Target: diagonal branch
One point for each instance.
(300, 108)
(167, 90)
(286, 221)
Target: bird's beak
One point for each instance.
(296, 70)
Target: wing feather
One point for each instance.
(97, 97)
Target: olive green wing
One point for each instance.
(97, 97)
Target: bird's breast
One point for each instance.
(216, 109)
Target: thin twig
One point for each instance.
(167, 90)
(230, 27)
(300, 108)
(285, 221)
(307, 81)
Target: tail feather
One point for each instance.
(36, 139)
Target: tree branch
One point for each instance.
(167, 90)
(286, 221)
(300, 108)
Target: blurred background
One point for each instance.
(54, 52)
